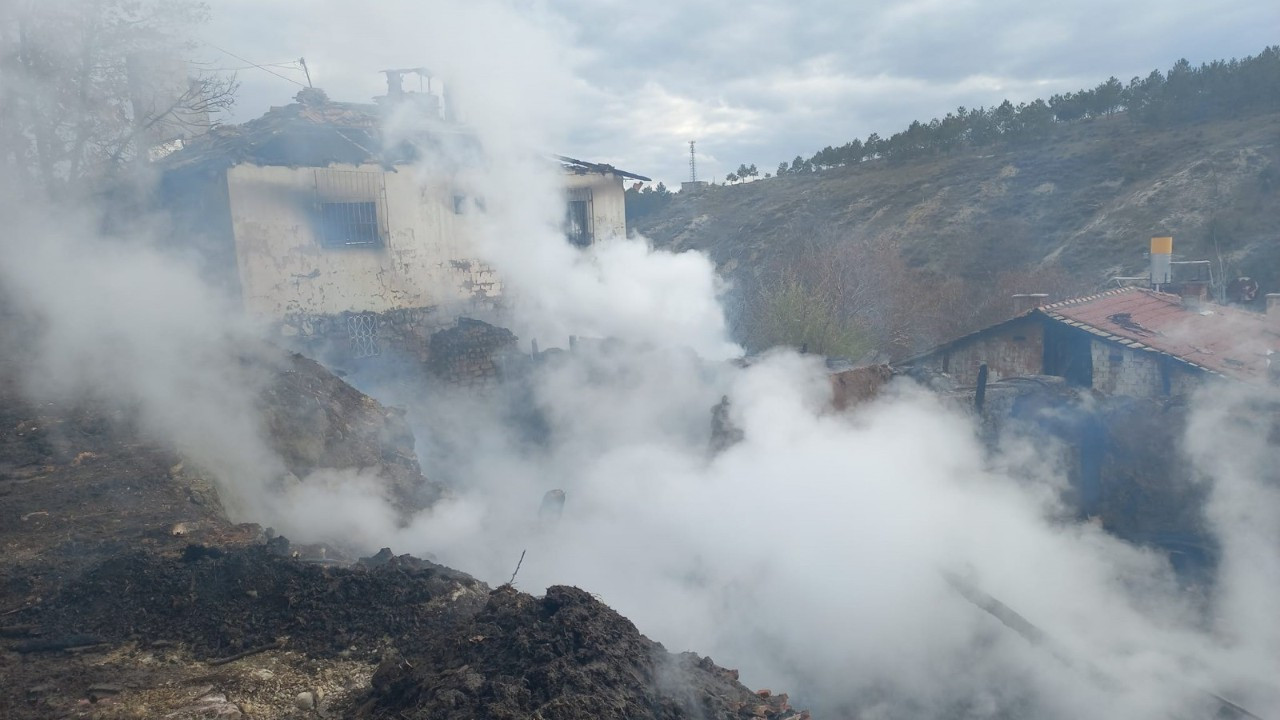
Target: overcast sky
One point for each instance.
(752, 82)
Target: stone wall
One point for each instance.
(470, 354)
(1124, 371)
(1184, 380)
(1134, 372)
(1012, 350)
(350, 339)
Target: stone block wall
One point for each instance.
(471, 353)
(351, 338)
(1014, 350)
(1119, 370)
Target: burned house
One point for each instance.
(339, 232)
(1132, 341)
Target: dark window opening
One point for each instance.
(1068, 354)
(577, 223)
(350, 224)
(459, 204)
(1115, 357)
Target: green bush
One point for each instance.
(793, 313)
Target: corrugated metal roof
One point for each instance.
(1224, 340)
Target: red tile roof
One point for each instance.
(1224, 340)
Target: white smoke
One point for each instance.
(1232, 441)
(119, 320)
(814, 555)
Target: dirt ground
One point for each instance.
(106, 612)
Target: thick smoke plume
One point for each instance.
(830, 554)
(843, 557)
(119, 321)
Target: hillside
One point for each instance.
(1069, 211)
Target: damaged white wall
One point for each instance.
(427, 259)
(608, 202)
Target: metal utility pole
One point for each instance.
(303, 63)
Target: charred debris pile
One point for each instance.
(564, 656)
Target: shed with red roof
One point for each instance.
(1130, 341)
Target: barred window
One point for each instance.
(351, 209)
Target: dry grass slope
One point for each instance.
(1083, 202)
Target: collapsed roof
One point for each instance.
(318, 132)
(313, 132)
(582, 167)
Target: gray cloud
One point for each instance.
(760, 82)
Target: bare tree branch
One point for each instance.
(93, 82)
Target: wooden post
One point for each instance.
(980, 397)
